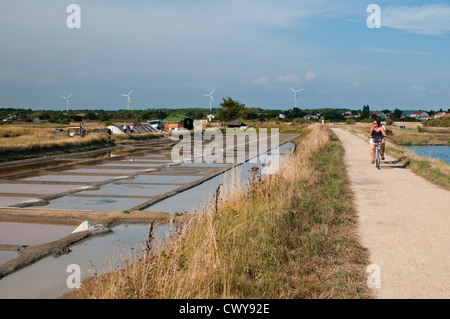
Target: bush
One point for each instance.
(300, 120)
(350, 122)
(389, 122)
(439, 122)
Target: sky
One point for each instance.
(172, 52)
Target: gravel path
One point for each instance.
(404, 222)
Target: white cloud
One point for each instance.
(287, 79)
(310, 76)
(263, 80)
(428, 19)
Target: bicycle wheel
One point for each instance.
(377, 157)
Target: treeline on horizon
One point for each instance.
(144, 115)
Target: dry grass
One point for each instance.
(289, 235)
(20, 139)
(412, 138)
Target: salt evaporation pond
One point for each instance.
(195, 200)
(47, 278)
(31, 234)
(95, 203)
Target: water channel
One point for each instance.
(441, 152)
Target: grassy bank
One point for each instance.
(290, 235)
(416, 138)
(434, 170)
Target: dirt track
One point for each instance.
(404, 222)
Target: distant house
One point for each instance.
(176, 121)
(418, 114)
(441, 114)
(311, 117)
(383, 115)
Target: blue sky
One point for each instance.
(170, 53)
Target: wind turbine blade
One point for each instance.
(292, 90)
(212, 99)
(130, 92)
(212, 91)
(69, 95)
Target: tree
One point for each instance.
(250, 114)
(91, 116)
(230, 109)
(296, 113)
(365, 114)
(397, 114)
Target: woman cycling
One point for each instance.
(377, 132)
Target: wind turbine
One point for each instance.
(67, 101)
(211, 99)
(128, 99)
(295, 95)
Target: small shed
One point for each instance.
(236, 124)
(178, 121)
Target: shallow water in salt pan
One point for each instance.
(67, 178)
(95, 203)
(43, 189)
(32, 234)
(47, 278)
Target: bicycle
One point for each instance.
(377, 142)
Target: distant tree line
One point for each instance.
(229, 109)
